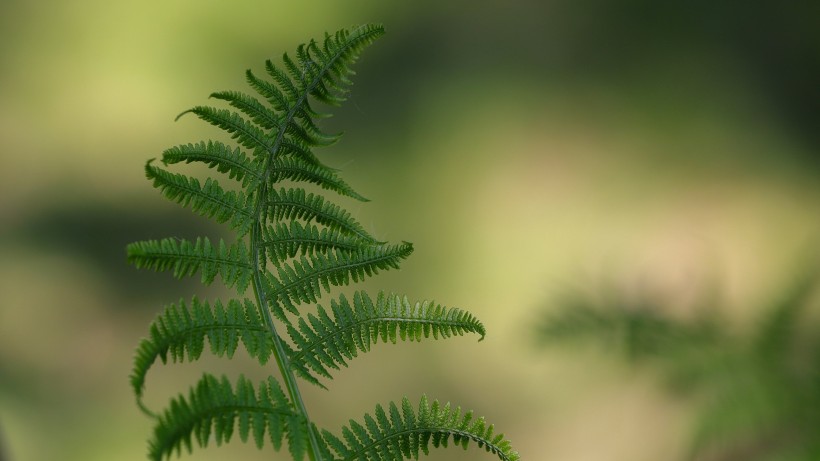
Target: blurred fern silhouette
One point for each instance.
(761, 389)
(290, 248)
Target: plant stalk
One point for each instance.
(314, 454)
(282, 361)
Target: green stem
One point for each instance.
(260, 260)
(279, 351)
(282, 361)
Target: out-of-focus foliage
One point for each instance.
(757, 391)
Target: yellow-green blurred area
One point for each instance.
(526, 148)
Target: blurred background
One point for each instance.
(528, 149)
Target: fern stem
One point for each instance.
(260, 259)
(314, 454)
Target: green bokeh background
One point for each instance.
(525, 147)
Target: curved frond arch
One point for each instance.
(181, 330)
(215, 408)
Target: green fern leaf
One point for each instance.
(296, 169)
(251, 107)
(246, 133)
(180, 328)
(324, 342)
(185, 258)
(331, 90)
(289, 204)
(299, 150)
(293, 246)
(315, 73)
(405, 434)
(209, 200)
(214, 409)
(286, 241)
(301, 136)
(308, 133)
(303, 280)
(217, 155)
(284, 82)
(267, 90)
(297, 436)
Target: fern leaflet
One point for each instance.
(286, 241)
(217, 155)
(214, 408)
(403, 434)
(209, 200)
(290, 204)
(296, 169)
(324, 342)
(184, 258)
(180, 329)
(246, 133)
(304, 279)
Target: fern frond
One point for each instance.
(246, 133)
(215, 409)
(324, 342)
(251, 107)
(286, 241)
(396, 434)
(185, 258)
(180, 329)
(299, 150)
(293, 245)
(314, 73)
(217, 155)
(303, 280)
(308, 133)
(267, 90)
(346, 43)
(296, 169)
(284, 83)
(289, 204)
(209, 200)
